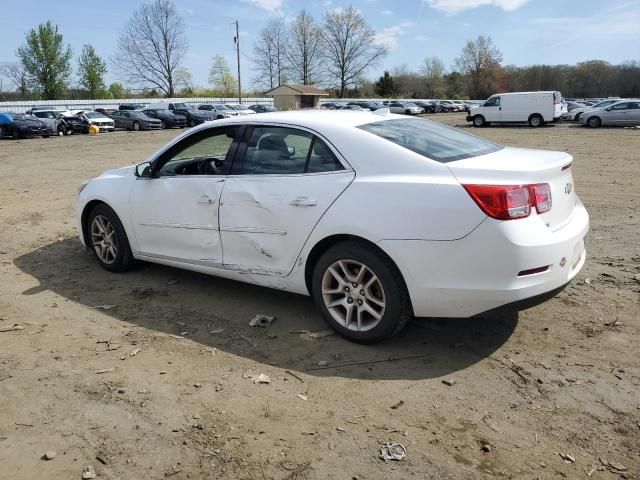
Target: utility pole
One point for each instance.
(236, 39)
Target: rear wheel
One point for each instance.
(594, 122)
(360, 293)
(478, 121)
(60, 130)
(536, 121)
(108, 240)
(136, 126)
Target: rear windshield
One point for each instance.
(430, 139)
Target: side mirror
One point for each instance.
(143, 170)
(292, 151)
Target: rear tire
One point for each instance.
(365, 306)
(136, 126)
(594, 122)
(536, 121)
(479, 121)
(108, 240)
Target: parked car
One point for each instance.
(296, 214)
(577, 112)
(349, 107)
(132, 106)
(263, 108)
(428, 107)
(534, 108)
(241, 109)
(405, 107)
(328, 105)
(167, 118)
(21, 125)
(194, 116)
(571, 105)
(367, 105)
(54, 121)
(135, 120)
(105, 111)
(82, 120)
(620, 114)
(219, 110)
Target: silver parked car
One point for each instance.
(135, 120)
(625, 113)
(407, 108)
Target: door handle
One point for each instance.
(304, 202)
(205, 200)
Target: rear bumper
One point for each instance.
(478, 273)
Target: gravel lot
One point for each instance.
(157, 386)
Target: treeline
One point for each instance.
(336, 53)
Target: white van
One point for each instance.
(534, 108)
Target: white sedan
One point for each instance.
(378, 217)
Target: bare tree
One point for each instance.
(432, 71)
(303, 54)
(152, 46)
(269, 54)
(480, 60)
(220, 76)
(18, 76)
(349, 47)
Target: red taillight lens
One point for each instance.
(541, 195)
(509, 202)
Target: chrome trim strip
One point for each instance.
(180, 225)
(268, 231)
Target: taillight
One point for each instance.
(510, 202)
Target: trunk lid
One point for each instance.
(519, 166)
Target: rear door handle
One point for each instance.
(205, 200)
(304, 202)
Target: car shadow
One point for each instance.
(215, 312)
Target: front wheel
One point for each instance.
(478, 121)
(163, 124)
(136, 126)
(108, 240)
(594, 122)
(360, 293)
(191, 123)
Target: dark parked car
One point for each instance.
(262, 108)
(20, 125)
(429, 107)
(366, 105)
(329, 105)
(135, 120)
(194, 116)
(131, 106)
(167, 118)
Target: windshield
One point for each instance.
(430, 139)
(94, 115)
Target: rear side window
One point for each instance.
(430, 139)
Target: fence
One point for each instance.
(22, 107)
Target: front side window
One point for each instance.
(492, 102)
(621, 106)
(204, 154)
(431, 139)
(284, 151)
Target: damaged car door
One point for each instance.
(174, 207)
(282, 181)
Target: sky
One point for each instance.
(526, 31)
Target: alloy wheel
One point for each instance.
(353, 295)
(103, 239)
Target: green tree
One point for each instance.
(117, 90)
(46, 61)
(91, 71)
(385, 86)
(220, 76)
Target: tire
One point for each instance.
(136, 126)
(163, 124)
(191, 123)
(479, 121)
(536, 121)
(594, 122)
(219, 117)
(114, 239)
(387, 296)
(61, 130)
(577, 117)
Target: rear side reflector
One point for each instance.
(510, 202)
(524, 273)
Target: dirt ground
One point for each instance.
(158, 385)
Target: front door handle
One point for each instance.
(205, 200)
(304, 202)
